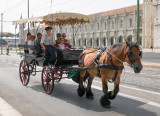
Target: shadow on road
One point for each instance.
(121, 105)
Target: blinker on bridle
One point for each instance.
(129, 54)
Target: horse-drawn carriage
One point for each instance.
(106, 63)
(50, 73)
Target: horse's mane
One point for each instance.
(118, 47)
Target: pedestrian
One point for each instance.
(152, 48)
(7, 50)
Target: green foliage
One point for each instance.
(5, 42)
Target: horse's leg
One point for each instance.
(104, 99)
(81, 89)
(112, 94)
(89, 93)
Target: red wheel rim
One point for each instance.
(24, 73)
(47, 80)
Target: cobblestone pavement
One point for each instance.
(148, 79)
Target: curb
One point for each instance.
(151, 66)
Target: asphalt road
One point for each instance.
(139, 94)
(152, 57)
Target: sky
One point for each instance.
(13, 9)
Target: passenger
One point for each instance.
(38, 45)
(61, 45)
(28, 37)
(64, 37)
(31, 42)
(58, 38)
(47, 43)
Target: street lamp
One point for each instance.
(28, 15)
(138, 22)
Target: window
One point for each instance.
(129, 39)
(130, 22)
(112, 24)
(120, 40)
(121, 24)
(85, 41)
(104, 42)
(97, 42)
(90, 42)
(105, 25)
(140, 22)
(79, 42)
(97, 26)
(91, 27)
(112, 42)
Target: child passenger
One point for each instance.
(61, 45)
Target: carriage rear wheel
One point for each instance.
(47, 78)
(24, 73)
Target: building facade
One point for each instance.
(107, 28)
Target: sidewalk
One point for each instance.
(150, 50)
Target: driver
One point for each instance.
(47, 43)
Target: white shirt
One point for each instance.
(43, 38)
(30, 42)
(61, 46)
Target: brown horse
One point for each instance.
(114, 57)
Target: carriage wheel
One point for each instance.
(24, 73)
(47, 78)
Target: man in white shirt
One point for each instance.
(47, 43)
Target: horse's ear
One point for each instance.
(127, 43)
(136, 42)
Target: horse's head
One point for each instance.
(133, 56)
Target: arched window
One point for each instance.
(90, 42)
(104, 41)
(97, 42)
(85, 41)
(121, 23)
(112, 42)
(129, 39)
(79, 42)
(120, 40)
(130, 22)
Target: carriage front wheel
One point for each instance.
(24, 73)
(47, 78)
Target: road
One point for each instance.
(139, 94)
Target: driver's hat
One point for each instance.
(48, 28)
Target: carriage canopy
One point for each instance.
(57, 19)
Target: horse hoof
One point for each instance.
(89, 97)
(104, 102)
(89, 94)
(81, 91)
(110, 96)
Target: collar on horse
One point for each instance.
(102, 65)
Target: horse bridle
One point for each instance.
(129, 54)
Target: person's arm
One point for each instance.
(54, 41)
(66, 41)
(42, 41)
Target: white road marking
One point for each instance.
(7, 110)
(129, 96)
(143, 74)
(131, 88)
(132, 97)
